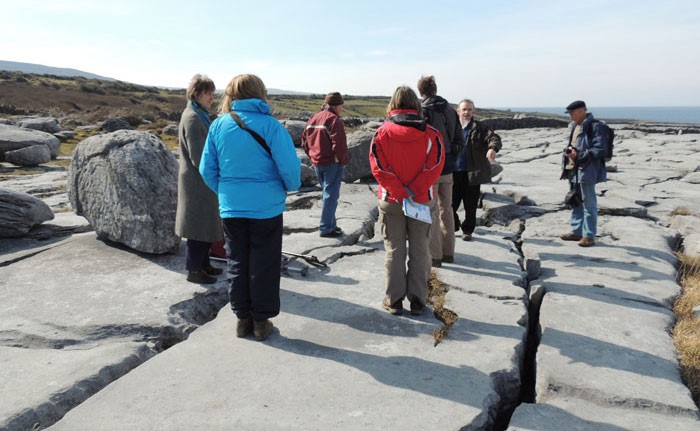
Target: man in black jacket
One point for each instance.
(439, 114)
(473, 166)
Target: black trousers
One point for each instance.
(467, 195)
(253, 251)
(197, 257)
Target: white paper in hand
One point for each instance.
(416, 211)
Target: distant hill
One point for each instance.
(40, 69)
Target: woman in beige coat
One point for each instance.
(197, 216)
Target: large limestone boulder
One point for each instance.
(13, 138)
(125, 184)
(44, 124)
(358, 152)
(295, 129)
(308, 176)
(29, 156)
(19, 212)
(114, 124)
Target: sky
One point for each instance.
(498, 53)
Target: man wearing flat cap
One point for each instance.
(325, 143)
(584, 166)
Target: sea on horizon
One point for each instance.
(661, 114)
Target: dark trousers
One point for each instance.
(254, 250)
(467, 195)
(197, 257)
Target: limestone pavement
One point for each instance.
(95, 336)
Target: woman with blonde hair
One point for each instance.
(249, 160)
(406, 156)
(197, 217)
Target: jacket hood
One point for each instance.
(251, 105)
(436, 103)
(407, 117)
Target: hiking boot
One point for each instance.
(570, 237)
(244, 327)
(466, 237)
(437, 263)
(262, 329)
(448, 259)
(212, 270)
(417, 308)
(200, 277)
(586, 242)
(396, 308)
(335, 233)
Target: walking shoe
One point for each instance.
(262, 329)
(244, 327)
(437, 263)
(448, 259)
(417, 308)
(570, 237)
(200, 277)
(466, 237)
(335, 233)
(212, 270)
(396, 308)
(586, 242)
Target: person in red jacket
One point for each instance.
(325, 143)
(407, 157)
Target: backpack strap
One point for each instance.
(255, 135)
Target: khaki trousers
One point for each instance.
(396, 229)
(442, 236)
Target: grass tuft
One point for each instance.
(686, 333)
(681, 211)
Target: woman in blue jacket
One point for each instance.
(251, 183)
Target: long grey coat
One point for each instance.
(197, 205)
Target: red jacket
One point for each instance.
(406, 153)
(324, 140)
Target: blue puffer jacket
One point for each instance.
(250, 183)
(591, 152)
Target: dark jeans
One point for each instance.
(254, 250)
(197, 257)
(468, 195)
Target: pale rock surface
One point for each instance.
(295, 129)
(125, 184)
(14, 138)
(44, 124)
(19, 212)
(29, 156)
(358, 153)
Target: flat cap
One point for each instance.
(575, 105)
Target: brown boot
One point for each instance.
(570, 237)
(262, 329)
(396, 308)
(586, 242)
(244, 327)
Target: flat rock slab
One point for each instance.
(605, 352)
(335, 359)
(78, 313)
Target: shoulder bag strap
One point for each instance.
(257, 137)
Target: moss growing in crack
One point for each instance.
(437, 290)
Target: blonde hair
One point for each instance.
(404, 98)
(199, 84)
(246, 86)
